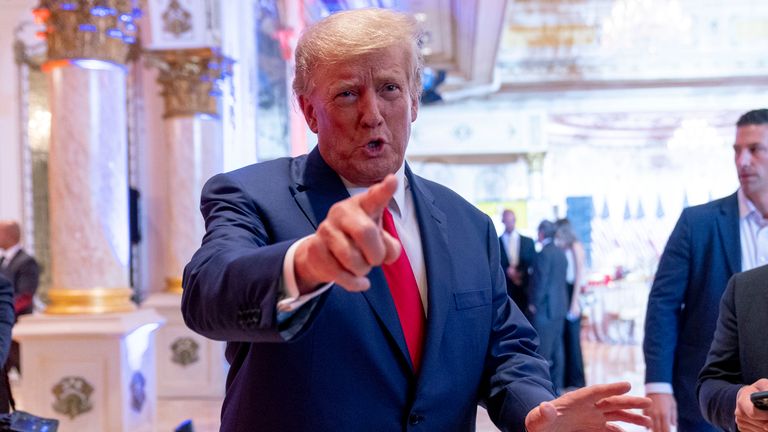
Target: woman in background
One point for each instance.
(566, 239)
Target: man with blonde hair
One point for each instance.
(355, 295)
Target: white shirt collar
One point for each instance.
(746, 207)
(398, 197)
(10, 253)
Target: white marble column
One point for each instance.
(189, 365)
(89, 360)
(88, 185)
(194, 155)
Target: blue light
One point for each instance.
(137, 344)
(87, 27)
(93, 64)
(130, 27)
(126, 18)
(213, 65)
(102, 11)
(207, 117)
(68, 6)
(129, 39)
(115, 33)
(136, 13)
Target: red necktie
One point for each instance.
(405, 293)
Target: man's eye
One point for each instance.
(391, 87)
(345, 94)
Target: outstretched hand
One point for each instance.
(589, 409)
(349, 242)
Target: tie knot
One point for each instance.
(388, 223)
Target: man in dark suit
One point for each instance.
(737, 364)
(355, 295)
(23, 272)
(517, 254)
(7, 319)
(710, 243)
(549, 301)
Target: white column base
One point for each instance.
(188, 365)
(91, 372)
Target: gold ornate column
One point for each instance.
(193, 139)
(189, 365)
(90, 356)
(88, 46)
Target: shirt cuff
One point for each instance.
(292, 299)
(658, 388)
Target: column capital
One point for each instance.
(535, 161)
(85, 29)
(190, 79)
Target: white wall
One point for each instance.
(13, 12)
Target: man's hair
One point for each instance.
(547, 229)
(754, 117)
(565, 232)
(352, 33)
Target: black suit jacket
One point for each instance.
(739, 353)
(547, 290)
(348, 367)
(526, 256)
(24, 274)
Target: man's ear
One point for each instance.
(309, 113)
(414, 108)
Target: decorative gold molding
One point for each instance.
(64, 301)
(89, 29)
(173, 285)
(190, 79)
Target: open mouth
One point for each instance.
(374, 144)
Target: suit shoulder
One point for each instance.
(712, 207)
(443, 194)
(757, 276)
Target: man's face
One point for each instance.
(361, 111)
(751, 157)
(508, 219)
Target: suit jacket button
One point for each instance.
(415, 419)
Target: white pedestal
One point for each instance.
(188, 365)
(91, 372)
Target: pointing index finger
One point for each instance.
(375, 200)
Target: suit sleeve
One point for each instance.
(7, 317)
(27, 279)
(720, 379)
(665, 302)
(517, 377)
(232, 283)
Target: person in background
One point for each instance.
(548, 301)
(355, 295)
(517, 254)
(23, 272)
(7, 319)
(709, 243)
(575, 276)
(737, 364)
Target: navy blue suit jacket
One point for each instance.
(702, 253)
(348, 368)
(739, 354)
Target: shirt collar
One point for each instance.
(10, 253)
(746, 207)
(399, 196)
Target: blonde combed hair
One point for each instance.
(352, 33)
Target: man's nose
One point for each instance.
(742, 158)
(369, 110)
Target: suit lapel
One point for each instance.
(316, 188)
(728, 227)
(438, 263)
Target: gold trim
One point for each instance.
(65, 301)
(190, 79)
(173, 285)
